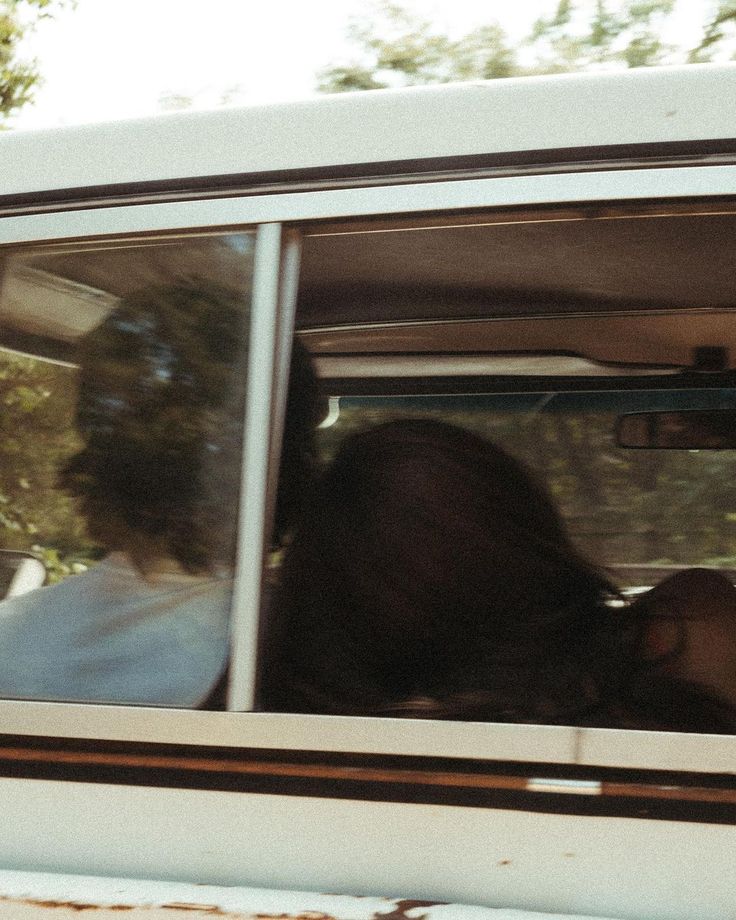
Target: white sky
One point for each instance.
(110, 59)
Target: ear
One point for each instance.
(662, 637)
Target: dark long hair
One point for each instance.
(432, 576)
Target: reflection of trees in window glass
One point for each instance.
(176, 372)
(160, 409)
(37, 400)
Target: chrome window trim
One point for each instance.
(625, 185)
(254, 472)
(558, 744)
(599, 747)
(285, 731)
(236, 186)
(288, 286)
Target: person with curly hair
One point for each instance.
(160, 411)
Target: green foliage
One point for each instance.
(18, 77)
(37, 400)
(348, 79)
(483, 54)
(58, 568)
(396, 48)
(175, 102)
(625, 34)
(716, 33)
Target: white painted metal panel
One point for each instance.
(412, 737)
(619, 185)
(540, 743)
(644, 105)
(621, 867)
(35, 895)
(656, 750)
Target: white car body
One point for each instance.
(174, 813)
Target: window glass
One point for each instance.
(638, 513)
(122, 387)
(480, 545)
(549, 575)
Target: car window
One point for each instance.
(122, 382)
(638, 513)
(535, 332)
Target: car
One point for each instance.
(536, 259)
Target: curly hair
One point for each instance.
(161, 405)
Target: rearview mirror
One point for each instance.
(693, 429)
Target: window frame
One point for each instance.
(275, 290)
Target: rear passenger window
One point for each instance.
(511, 582)
(122, 384)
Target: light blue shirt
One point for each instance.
(109, 635)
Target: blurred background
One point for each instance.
(73, 61)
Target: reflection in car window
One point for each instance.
(123, 377)
(641, 514)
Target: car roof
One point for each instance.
(413, 129)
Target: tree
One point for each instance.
(628, 34)
(37, 400)
(397, 48)
(175, 102)
(19, 77)
(716, 33)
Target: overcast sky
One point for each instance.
(110, 59)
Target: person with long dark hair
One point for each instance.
(162, 389)
(432, 576)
